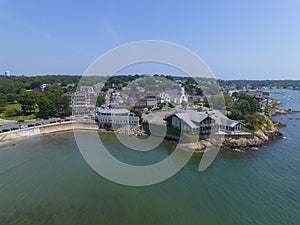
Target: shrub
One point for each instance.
(107, 125)
(10, 112)
(171, 105)
(256, 121)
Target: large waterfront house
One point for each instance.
(116, 116)
(204, 123)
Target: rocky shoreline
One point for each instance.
(259, 138)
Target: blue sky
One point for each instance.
(237, 39)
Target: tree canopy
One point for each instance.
(28, 100)
(53, 102)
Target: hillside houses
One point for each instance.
(263, 98)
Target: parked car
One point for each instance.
(14, 128)
(30, 125)
(38, 124)
(5, 130)
(21, 121)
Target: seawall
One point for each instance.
(46, 129)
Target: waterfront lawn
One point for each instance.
(11, 111)
(183, 136)
(173, 131)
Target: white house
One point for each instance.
(116, 116)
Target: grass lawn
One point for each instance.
(17, 107)
(171, 130)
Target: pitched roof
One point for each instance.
(193, 118)
(186, 118)
(113, 111)
(222, 119)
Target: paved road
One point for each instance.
(9, 124)
(157, 117)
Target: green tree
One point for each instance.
(12, 112)
(28, 100)
(46, 107)
(137, 113)
(200, 109)
(12, 97)
(15, 87)
(105, 88)
(246, 104)
(235, 114)
(3, 100)
(100, 100)
(171, 105)
(160, 105)
(53, 102)
(184, 104)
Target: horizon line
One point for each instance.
(216, 78)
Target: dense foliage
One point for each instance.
(245, 108)
(100, 100)
(53, 102)
(119, 81)
(240, 106)
(23, 96)
(253, 84)
(137, 113)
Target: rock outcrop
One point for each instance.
(279, 111)
(259, 138)
(131, 130)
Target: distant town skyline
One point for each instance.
(237, 39)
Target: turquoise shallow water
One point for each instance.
(44, 180)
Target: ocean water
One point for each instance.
(45, 180)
